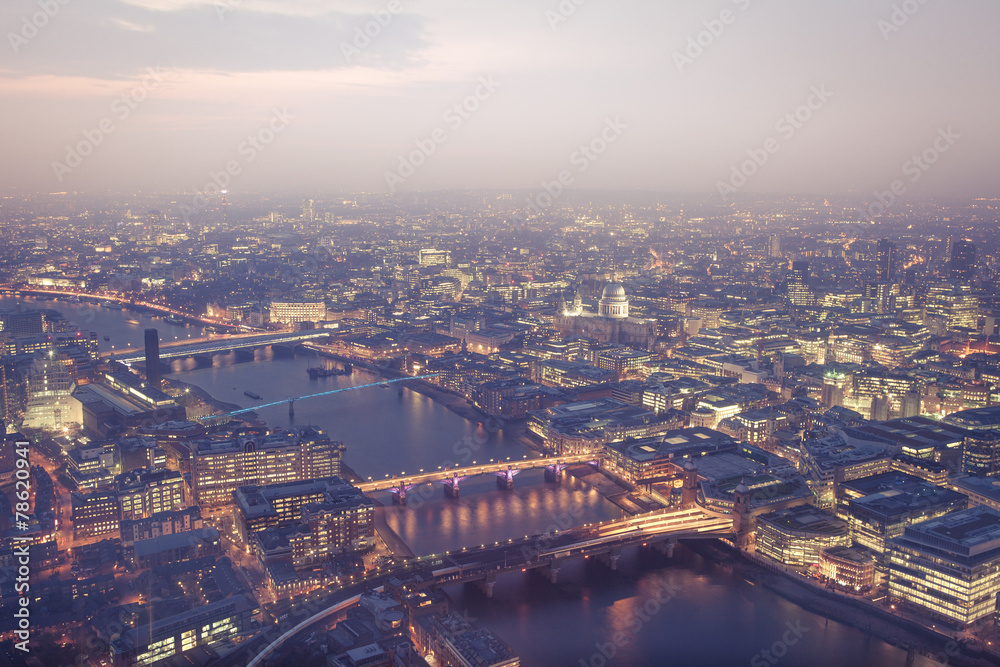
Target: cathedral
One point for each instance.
(611, 323)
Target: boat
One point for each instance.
(107, 338)
(252, 395)
(173, 319)
(132, 321)
(320, 372)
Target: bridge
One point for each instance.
(604, 541)
(505, 472)
(113, 297)
(213, 346)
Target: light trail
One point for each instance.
(322, 393)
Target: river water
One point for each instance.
(653, 612)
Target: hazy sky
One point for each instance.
(329, 112)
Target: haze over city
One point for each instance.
(695, 86)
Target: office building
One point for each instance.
(799, 292)
(94, 514)
(798, 535)
(143, 493)
(962, 266)
(293, 312)
(885, 260)
(169, 636)
(258, 508)
(949, 566)
(221, 465)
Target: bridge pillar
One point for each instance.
(399, 497)
(489, 582)
(553, 570)
(451, 490)
(611, 558)
(666, 547)
(554, 473)
(505, 479)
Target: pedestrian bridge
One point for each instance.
(216, 345)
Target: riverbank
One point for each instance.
(199, 402)
(859, 614)
(393, 542)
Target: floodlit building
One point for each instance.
(949, 566)
(220, 466)
(797, 536)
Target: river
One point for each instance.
(653, 612)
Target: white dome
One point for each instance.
(613, 291)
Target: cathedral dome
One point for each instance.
(613, 303)
(613, 291)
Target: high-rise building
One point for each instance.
(799, 293)
(153, 377)
(885, 260)
(220, 466)
(775, 246)
(962, 266)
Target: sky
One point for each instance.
(756, 96)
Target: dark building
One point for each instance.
(885, 260)
(962, 266)
(21, 324)
(153, 378)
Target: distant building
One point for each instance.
(611, 324)
(153, 376)
(293, 312)
(962, 265)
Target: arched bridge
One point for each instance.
(452, 477)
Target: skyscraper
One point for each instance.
(962, 266)
(885, 260)
(775, 246)
(799, 293)
(153, 378)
